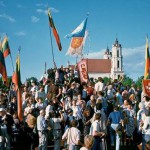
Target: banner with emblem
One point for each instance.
(75, 46)
(146, 87)
(78, 39)
(82, 66)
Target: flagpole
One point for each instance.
(19, 49)
(19, 91)
(45, 68)
(76, 58)
(87, 68)
(52, 46)
(11, 61)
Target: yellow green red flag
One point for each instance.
(147, 61)
(5, 47)
(55, 33)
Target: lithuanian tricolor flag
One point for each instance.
(5, 47)
(16, 79)
(51, 24)
(3, 71)
(147, 61)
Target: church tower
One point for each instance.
(107, 54)
(116, 61)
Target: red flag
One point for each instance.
(146, 87)
(82, 66)
(15, 80)
(19, 97)
(51, 24)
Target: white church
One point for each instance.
(110, 66)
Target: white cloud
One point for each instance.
(9, 18)
(21, 33)
(41, 4)
(34, 19)
(45, 11)
(54, 10)
(133, 51)
(96, 55)
(42, 11)
(140, 64)
(133, 60)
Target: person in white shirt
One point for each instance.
(55, 121)
(145, 127)
(40, 93)
(28, 109)
(67, 102)
(111, 94)
(34, 88)
(49, 108)
(76, 110)
(95, 131)
(25, 92)
(72, 135)
(99, 86)
(42, 126)
(39, 105)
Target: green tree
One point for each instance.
(106, 80)
(139, 82)
(127, 81)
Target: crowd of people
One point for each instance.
(61, 111)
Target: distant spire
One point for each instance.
(107, 50)
(116, 37)
(116, 42)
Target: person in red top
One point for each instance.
(90, 90)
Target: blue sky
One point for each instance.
(26, 24)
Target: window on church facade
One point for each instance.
(117, 53)
(118, 63)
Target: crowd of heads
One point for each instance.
(61, 92)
